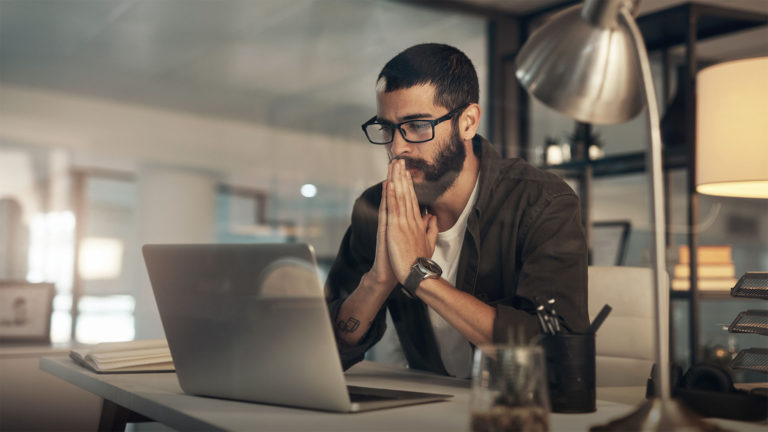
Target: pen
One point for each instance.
(546, 327)
(599, 319)
(553, 314)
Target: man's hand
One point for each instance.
(409, 235)
(381, 271)
(359, 310)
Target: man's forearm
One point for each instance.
(470, 316)
(359, 310)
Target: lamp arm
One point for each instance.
(602, 13)
(653, 162)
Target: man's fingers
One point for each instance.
(392, 204)
(383, 206)
(413, 201)
(406, 195)
(425, 218)
(397, 173)
(407, 189)
(431, 223)
(390, 193)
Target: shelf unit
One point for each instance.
(686, 25)
(627, 163)
(508, 125)
(707, 295)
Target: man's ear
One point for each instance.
(469, 121)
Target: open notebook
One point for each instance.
(151, 355)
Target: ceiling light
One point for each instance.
(308, 190)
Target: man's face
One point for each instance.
(434, 165)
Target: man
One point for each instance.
(459, 244)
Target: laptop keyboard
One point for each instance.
(366, 394)
(362, 397)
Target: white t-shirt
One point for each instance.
(455, 350)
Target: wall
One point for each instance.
(277, 150)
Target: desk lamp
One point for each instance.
(590, 63)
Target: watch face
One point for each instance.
(430, 266)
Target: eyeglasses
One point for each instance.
(413, 131)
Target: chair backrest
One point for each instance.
(625, 341)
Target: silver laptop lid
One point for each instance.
(242, 323)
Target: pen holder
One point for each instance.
(571, 372)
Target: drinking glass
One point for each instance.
(509, 389)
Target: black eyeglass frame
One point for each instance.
(399, 127)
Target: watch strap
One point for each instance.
(412, 281)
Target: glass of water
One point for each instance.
(509, 389)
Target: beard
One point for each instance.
(442, 174)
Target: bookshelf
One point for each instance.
(685, 24)
(716, 271)
(509, 124)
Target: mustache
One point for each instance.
(411, 163)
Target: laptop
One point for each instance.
(250, 322)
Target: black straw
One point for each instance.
(599, 319)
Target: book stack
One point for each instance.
(716, 271)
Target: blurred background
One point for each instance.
(125, 122)
(132, 122)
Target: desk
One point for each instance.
(26, 391)
(157, 396)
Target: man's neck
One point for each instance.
(449, 206)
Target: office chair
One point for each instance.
(624, 344)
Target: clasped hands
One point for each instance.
(403, 234)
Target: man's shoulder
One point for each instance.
(502, 173)
(518, 192)
(517, 172)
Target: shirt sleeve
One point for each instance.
(554, 266)
(354, 259)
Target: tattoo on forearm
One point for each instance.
(348, 326)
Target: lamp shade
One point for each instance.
(732, 129)
(583, 65)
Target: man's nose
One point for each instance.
(399, 145)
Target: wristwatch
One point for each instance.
(423, 268)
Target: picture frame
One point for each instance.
(25, 311)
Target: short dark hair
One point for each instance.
(444, 66)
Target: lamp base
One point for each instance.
(659, 415)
